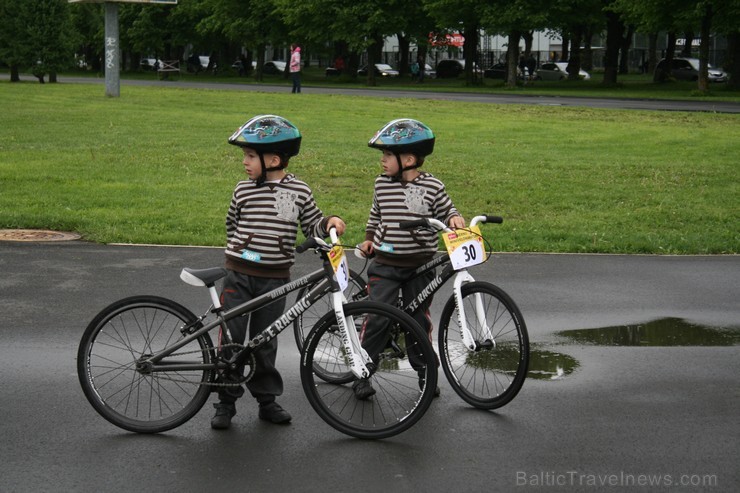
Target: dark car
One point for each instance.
(499, 70)
(381, 70)
(688, 69)
(451, 68)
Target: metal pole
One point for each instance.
(112, 51)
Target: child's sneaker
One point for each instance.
(224, 413)
(363, 389)
(274, 413)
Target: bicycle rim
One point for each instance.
(106, 365)
(491, 376)
(402, 393)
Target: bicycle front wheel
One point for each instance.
(404, 389)
(356, 291)
(492, 374)
(123, 334)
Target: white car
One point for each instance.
(557, 71)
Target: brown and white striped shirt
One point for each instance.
(262, 225)
(396, 201)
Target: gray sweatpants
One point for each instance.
(266, 383)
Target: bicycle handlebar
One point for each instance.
(318, 242)
(440, 225)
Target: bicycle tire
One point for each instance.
(490, 377)
(403, 394)
(356, 291)
(106, 365)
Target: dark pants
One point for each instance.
(266, 383)
(296, 81)
(384, 283)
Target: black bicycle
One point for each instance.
(482, 337)
(147, 364)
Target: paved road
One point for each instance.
(623, 104)
(625, 416)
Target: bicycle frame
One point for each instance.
(355, 354)
(461, 277)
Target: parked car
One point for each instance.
(450, 68)
(274, 67)
(557, 71)
(381, 70)
(499, 70)
(688, 69)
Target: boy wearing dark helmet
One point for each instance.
(261, 229)
(402, 193)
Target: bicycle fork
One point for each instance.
(357, 357)
(488, 341)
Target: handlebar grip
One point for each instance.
(309, 243)
(494, 219)
(413, 224)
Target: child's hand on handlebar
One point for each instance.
(456, 222)
(336, 223)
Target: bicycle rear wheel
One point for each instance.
(492, 375)
(403, 392)
(117, 338)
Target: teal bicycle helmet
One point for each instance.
(269, 133)
(404, 135)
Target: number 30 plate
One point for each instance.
(465, 247)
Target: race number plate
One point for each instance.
(339, 264)
(465, 247)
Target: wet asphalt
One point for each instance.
(626, 417)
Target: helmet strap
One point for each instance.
(263, 176)
(401, 169)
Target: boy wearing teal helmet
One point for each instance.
(402, 193)
(261, 229)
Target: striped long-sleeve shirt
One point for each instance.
(396, 201)
(262, 226)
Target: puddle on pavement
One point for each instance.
(548, 365)
(658, 333)
(666, 332)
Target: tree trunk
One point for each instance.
(652, 52)
(403, 50)
(625, 50)
(512, 58)
(706, 26)
(614, 30)
(665, 74)
(470, 53)
(528, 37)
(689, 39)
(574, 63)
(564, 55)
(733, 60)
(587, 54)
(14, 74)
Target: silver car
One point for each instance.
(557, 71)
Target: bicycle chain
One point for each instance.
(239, 383)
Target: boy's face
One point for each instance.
(253, 165)
(391, 165)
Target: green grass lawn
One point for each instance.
(153, 166)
